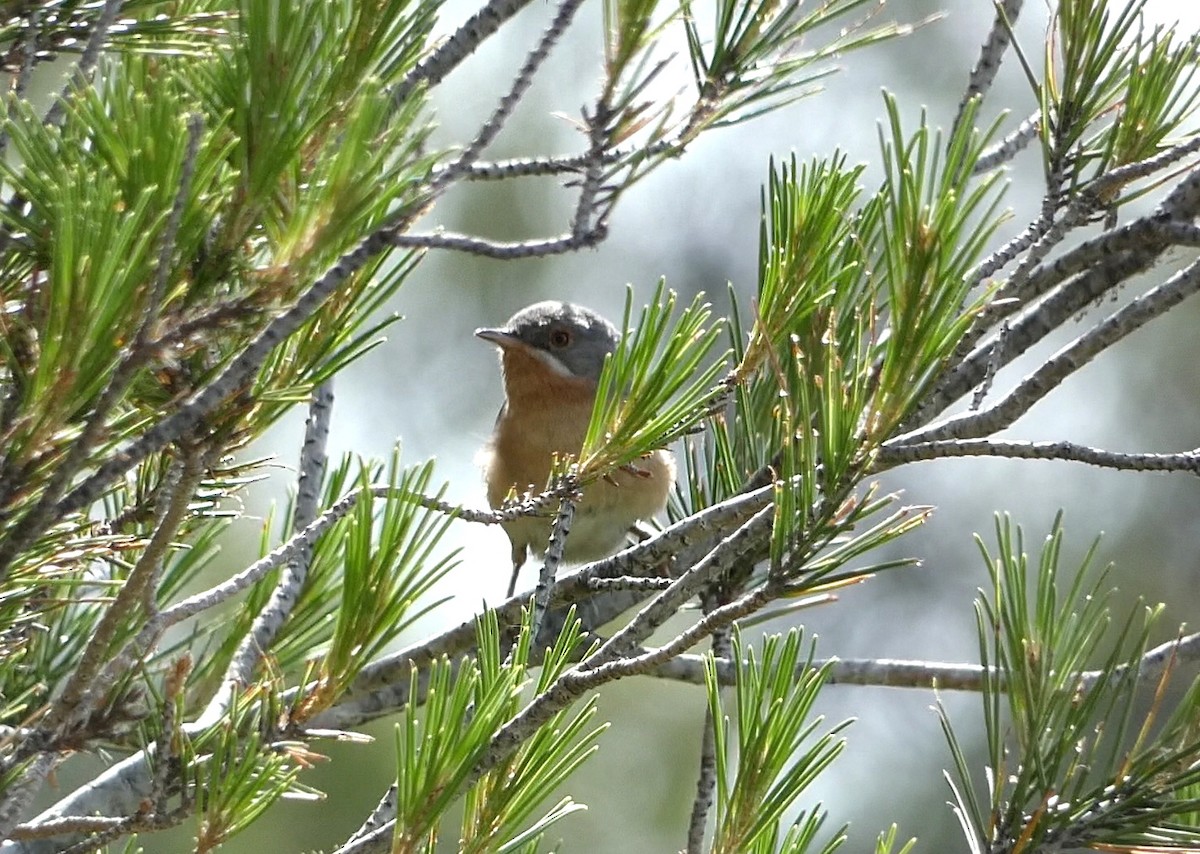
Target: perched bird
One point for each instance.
(551, 354)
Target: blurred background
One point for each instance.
(435, 388)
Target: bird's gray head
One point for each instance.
(569, 339)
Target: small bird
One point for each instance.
(551, 354)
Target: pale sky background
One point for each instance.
(436, 387)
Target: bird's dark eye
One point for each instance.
(560, 338)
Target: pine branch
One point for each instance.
(382, 686)
(1036, 241)
(191, 415)
(94, 677)
(629, 582)
(1136, 235)
(593, 671)
(29, 51)
(22, 791)
(42, 514)
(575, 164)
(241, 368)
(377, 819)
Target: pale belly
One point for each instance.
(605, 513)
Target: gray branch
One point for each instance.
(283, 599)
(1034, 325)
(520, 85)
(1050, 374)
(990, 55)
(384, 812)
(1187, 461)
(559, 532)
(1009, 147)
(938, 675)
(82, 74)
(722, 649)
(503, 249)
(450, 53)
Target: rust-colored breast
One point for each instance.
(547, 413)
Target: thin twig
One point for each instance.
(1051, 373)
(1145, 234)
(659, 609)
(629, 582)
(1065, 302)
(706, 783)
(136, 823)
(283, 599)
(990, 57)
(593, 175)
(164, 748)
(588, 675)
(1186, 461)
(384, 812)
(87, 60)
(452, 51)
(1009, 147)
(503, 249)
(520, 85)
(19, 794)
(311, 475)
(1130, 172)
(217, 316)
(86, 685)
(573, 164)
(944, 676)
(1008, 253)
(67, 825)
(991, 368)
(559, 532)
(166, 249)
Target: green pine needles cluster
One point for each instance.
(208, 223)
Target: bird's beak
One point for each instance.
(497, 336)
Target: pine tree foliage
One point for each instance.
(205, 226)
